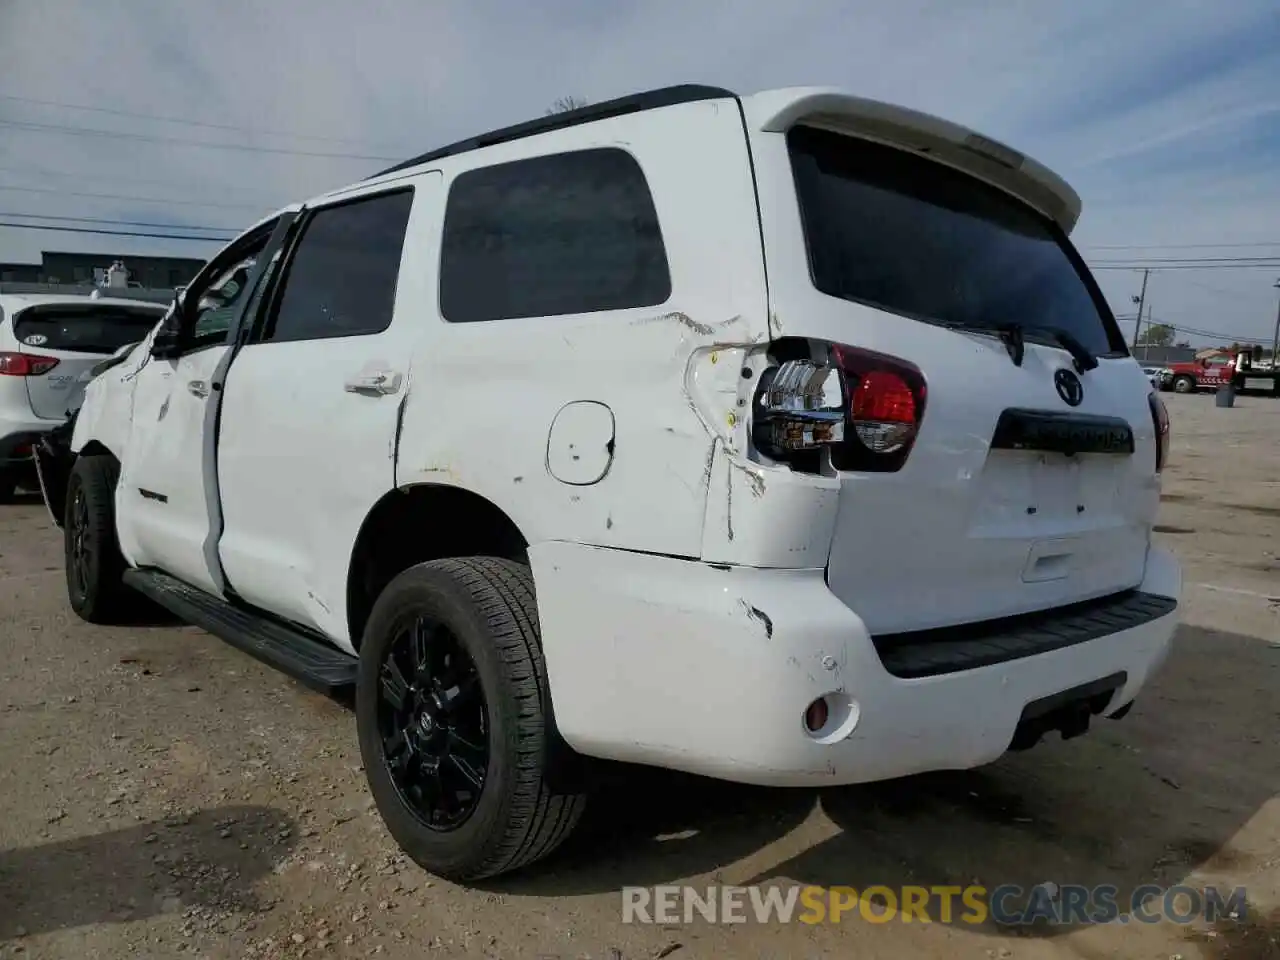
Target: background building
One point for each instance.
(85, 269)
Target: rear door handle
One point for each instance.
(377, 384)
(199, 388)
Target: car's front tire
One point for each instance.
(94, 565)
(8, 486)
(453, 711)
(1183, 384)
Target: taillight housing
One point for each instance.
(1160, 420)
(25, 364)
(864, 407)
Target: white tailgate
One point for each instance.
(914, 258)
(966, 532)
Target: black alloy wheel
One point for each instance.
(80, 548)
(453, 711)
(94, 565)
(434, 725)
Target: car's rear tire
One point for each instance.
(8, 486)
(1183, 384)
(457, 640)
(94, 565)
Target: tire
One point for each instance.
(95, 586)
(1184, 384)
(8, 486)
(485, 608)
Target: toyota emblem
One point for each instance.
(1070, 389)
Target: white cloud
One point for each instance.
(1139, 111)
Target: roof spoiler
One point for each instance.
(942, 140)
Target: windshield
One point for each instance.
(905, 234)
(75, 329)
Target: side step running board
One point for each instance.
(303, 656)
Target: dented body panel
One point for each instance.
(649, 367)
(708, 670)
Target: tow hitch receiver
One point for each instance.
(1068, 712)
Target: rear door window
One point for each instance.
(905, 234)
(75, 329)
(547, 236)
(341, 279)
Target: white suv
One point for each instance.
(784, 439)
(49, 346)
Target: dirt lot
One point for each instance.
(164, 795)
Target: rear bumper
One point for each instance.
(709, 670)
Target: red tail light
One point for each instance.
(25, 364)
(864, 407)
(1160, 419)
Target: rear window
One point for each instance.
(905, 234)
(81, 329)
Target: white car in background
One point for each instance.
(1157, 375)
(49, 346)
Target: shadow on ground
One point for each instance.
(645, 826)
(1142, 800)
(143, 871)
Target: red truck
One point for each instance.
(1215, 371)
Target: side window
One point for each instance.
(341, 278)
(568, 233)
(220, 300)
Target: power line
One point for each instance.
(150, 138)
(1221, 291)
(1270, 265)
(1207, 334)
(1146, 260)
(257, 131)
(137, 199)
(96, 176)
(118, 223)
(1178, 246)
(110, 233)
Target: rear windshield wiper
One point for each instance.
(1012, 334)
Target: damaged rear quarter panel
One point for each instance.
(485, 395)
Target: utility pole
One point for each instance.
(1275, 340)
(1140, 300)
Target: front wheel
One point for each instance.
(453, 711)
(1183, 385)
(8, 485)
(95, 567)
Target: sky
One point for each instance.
(1164, 116)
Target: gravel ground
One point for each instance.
(165, 796)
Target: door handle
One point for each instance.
(199, 388)
(373, 383)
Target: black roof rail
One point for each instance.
(649, 100)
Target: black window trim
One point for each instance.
(263, 324)
(620, 107)
(594, 148)
(231, 254)
(1109, 322)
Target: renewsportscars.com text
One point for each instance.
(1006, 905)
